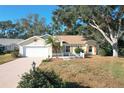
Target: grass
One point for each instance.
(6, 58)
(94, 71)
(117, 70)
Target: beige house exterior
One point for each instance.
(70, 42)
(36, 46)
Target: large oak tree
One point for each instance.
(107, 20)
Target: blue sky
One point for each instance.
(14, 12)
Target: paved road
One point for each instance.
(11, 72)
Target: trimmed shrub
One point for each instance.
(121, 51)
(102, 52)
(40, 79)
(78, 50)
(15, 53)
(46, 60)
(8, 51)
(2, 49)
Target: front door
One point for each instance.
(90, 50)
(67, 50)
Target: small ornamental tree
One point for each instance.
(40, 79)
(54, 42)
(78, 50)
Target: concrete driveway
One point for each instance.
(11, 72)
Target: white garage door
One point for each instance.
(36, 51)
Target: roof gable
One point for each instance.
(70, 39)
(33, 38)
(30, 40)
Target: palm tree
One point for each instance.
(54, 42)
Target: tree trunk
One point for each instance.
(115, 49)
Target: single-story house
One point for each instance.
(71, 42)
(9, 44)
(36, 46)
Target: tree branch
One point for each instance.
(94, 25)
(121, 33)
(119, 28)
(110, 31)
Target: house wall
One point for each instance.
(39, 42)
(85, 48)
(50, 51)
(94, 49)
(10, 47)
(94, 46)
(21, 50)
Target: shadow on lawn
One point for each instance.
(121, 56)
(74, 85)
(88, 56)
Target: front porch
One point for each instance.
(68, 50)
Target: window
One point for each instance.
(90, 48)
(67, 48)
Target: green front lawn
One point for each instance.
(6, 58)
(95, 71)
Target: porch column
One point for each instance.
(87, 48)
(63, 51)
(62, 48)
(61, 44)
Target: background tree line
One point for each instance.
(26, 27)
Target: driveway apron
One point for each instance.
(11, 72)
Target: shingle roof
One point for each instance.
(5, 41)
(72, 39)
